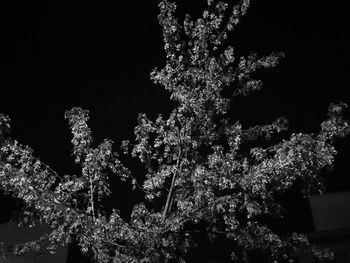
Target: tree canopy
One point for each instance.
(204, 171)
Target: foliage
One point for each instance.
(194, 160)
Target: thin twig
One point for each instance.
(112, 243)
(47, 167)
(138, 185)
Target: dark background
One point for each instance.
(98, 55)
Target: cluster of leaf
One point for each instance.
(194, 162)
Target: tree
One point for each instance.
(203, 174)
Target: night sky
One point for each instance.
(98, 55)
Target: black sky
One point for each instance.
(58, 54)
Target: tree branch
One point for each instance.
(170, 193)
(92, 198)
